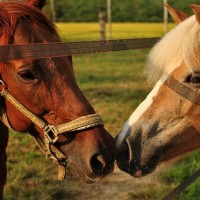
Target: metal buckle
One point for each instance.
(50, 134)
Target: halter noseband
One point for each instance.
(51, 132)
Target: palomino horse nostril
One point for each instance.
(97, 164)
(123, 157)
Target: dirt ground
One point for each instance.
(119, 186)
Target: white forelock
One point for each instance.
(180, 44)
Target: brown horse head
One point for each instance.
(47, 87)
(166, 124)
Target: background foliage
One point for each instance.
(128, 10)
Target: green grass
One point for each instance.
(119, 83)
(115, 84)
(179, 172)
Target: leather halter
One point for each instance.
(51, 132)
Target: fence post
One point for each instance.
(165, 17)
(53, 10)
(102, 23)
(109, 19)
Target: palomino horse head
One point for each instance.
(166, 124)
(47, 87)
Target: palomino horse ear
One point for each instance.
(196, 10)
(177, 16)
(37, 3)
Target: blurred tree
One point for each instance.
(122, 10)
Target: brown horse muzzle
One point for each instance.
(92, 152)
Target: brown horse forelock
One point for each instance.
(13, 13)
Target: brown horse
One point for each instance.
(166, 124)
(48, 89)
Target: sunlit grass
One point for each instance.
(90, 31)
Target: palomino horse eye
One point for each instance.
(193, 78)
(27, 75)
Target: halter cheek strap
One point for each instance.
(51, 132)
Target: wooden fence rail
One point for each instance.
(44, 50)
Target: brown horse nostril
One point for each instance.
(97, 164)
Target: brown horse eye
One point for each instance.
(27, 75)
(193, 79)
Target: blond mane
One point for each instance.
(180, 44)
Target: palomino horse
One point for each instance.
(166, 124)
(44, 93)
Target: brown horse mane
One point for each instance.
(15, 14)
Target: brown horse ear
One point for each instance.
(177, 16)
(196, 10)
(37, 3)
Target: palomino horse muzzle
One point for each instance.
(51, 132)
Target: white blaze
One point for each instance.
(141, 109)
(145, 104)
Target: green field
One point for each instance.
(115, 84)
(90, 31)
